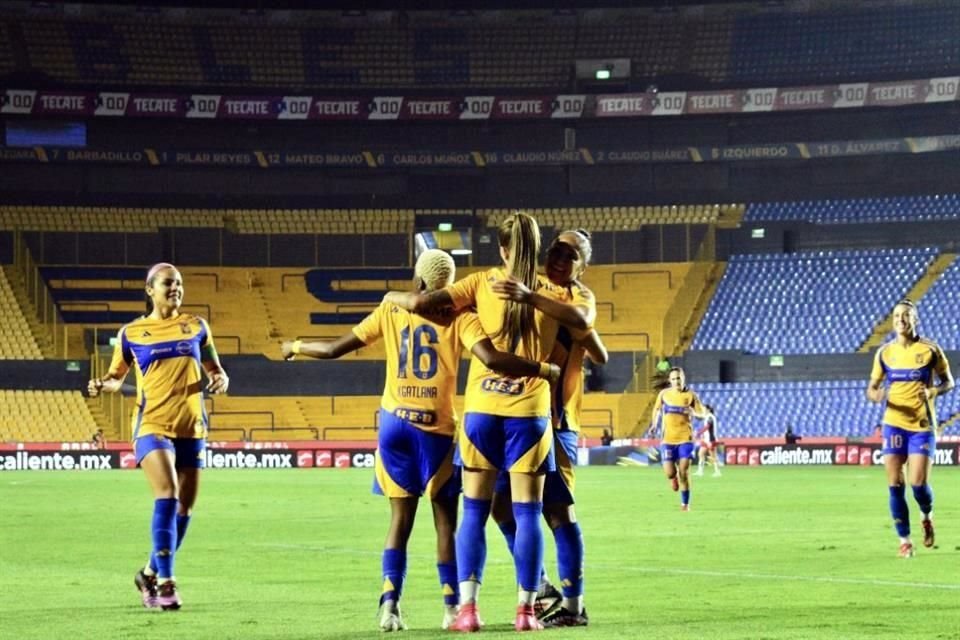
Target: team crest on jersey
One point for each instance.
(145, 334)
(919, 358)
(185, 328)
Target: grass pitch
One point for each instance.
(766, 552)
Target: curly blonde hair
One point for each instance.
(435, 268)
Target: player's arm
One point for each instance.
(323, 349)
(217, 379)
(570, 315)
(652, 430)
(112, 380)
(421, 303)
(875, 390)
(595, 348)
(944, 376)
(511, 365)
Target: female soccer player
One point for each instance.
(567, 259)
(507, 419)
(677, 405)
(417, 420)
(708, 443)
(907, 364)
(167, 349)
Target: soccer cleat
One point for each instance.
(684, 507)
(526, 619)
(548, 599)
(717, 474)
(674, 483)
(906, 550)
(928, 536)
(167, 597)
(449, 616)
(467, 620)
(563, 617)
(390, 618)
(147, 585)
(698, 472)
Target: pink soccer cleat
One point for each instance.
(527, 619)
(468, 621)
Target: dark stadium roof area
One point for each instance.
(431, 5)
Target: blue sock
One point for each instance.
(472, 540)
(923, 494)
(899, 510)
(394, 571)
(569, 541)
(509, 531)
(164, 529)
(528, 548)
(448, 582)
(685, 497)
(182, 523)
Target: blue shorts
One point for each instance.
(412, 462)
(559, 484)
(676, 452)
(189, 453)
(520, 445)
(903, 442)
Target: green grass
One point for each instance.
(771, 552)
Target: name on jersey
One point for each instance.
(412, 391)
(505, 386)
(415, 415)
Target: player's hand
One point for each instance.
(554, 376)
(219, 381)
(512, 289)
(928, 393)
(286, 349)
(94, 387)
(402, 299)
(875, 394)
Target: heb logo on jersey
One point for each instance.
(504, 386)
(419, 416)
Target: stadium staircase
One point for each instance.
(883, 328)
(33, 330)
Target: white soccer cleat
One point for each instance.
(390, 619)
(449, 616)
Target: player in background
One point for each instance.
(506, 424)
(707, 435)
(907, 365)
(677, 405)
(567, 259)
(417, 420)
(167, 349)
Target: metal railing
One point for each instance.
(679, 314)
(39, 296)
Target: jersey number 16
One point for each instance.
(419, 352)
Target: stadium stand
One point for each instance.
(16, 340)
(624, 218)
(734, 44)
(807, 302)
(814, 408)
(938, 309)
(860, 210)
(45, 416)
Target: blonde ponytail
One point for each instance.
(519, 234)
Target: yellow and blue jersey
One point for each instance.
(166, 356)
(568, 354)
(423, 355)
(489, 392)
(907, 371)
(675, 408)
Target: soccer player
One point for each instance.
(507, 419)
(707, 435)
(907, 364)
(167, 349)
(567, 259)
(417, 420)
(677, 405)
